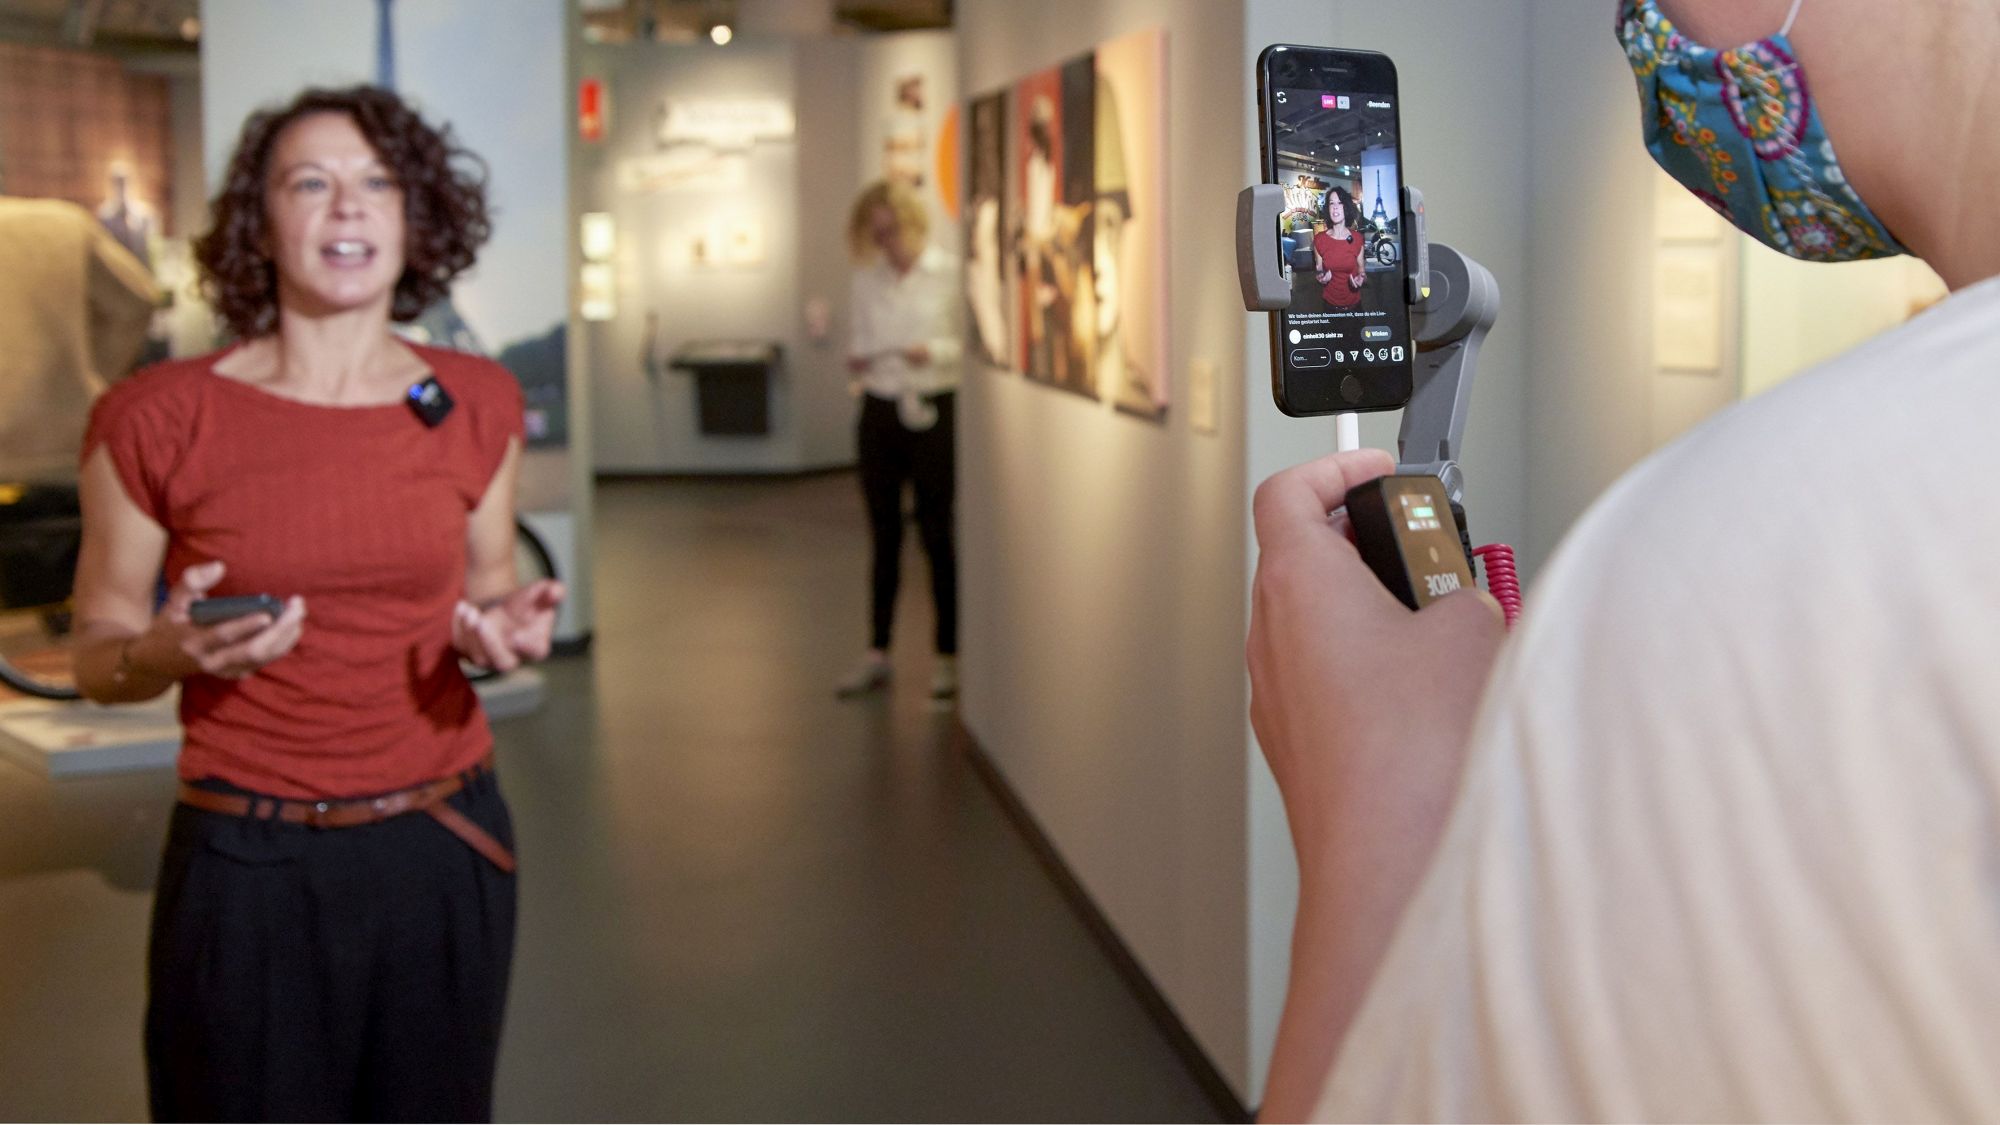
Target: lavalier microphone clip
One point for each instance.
(430, 401)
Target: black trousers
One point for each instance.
(890, 456)
(345, 974)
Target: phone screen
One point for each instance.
(1333, 142)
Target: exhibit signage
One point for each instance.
(727, 123)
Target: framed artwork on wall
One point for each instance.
(1129, 223)
(1054, 176)
(989, 264)
(1066, 226)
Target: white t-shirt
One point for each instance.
(892, 312)
(1728, 842)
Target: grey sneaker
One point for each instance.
(944, 678)
(872, 674)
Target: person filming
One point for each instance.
(1713, 835)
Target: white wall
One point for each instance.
(647, 422)
(1102, 556)
(1590, 315)
(1797, 314)
(838, 89)
(451, 58)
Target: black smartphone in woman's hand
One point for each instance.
(214, 611)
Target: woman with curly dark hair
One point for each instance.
(1338, 251)
(334, 923)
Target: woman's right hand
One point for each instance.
(858, 365)
(174, 646)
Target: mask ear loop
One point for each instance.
(1793, 18)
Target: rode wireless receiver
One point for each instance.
(1408, 535)
(430, 401)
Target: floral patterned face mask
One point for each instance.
(1739, 129)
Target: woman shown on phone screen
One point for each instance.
(1337, 252)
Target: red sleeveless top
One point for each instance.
(1342, 257)
(363, 512)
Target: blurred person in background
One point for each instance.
(902, 354)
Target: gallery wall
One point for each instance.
(1101, 552)
(644, 411)
(785, 278)
(1797, 314)
(1592, 191)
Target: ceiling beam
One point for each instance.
(49, 33)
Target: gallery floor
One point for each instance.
(741, 898)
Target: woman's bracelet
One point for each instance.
(123, 671)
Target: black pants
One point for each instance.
(891, 455)
(345, 974)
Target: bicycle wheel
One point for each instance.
(34, 652)
(531, 561)
(41, 531)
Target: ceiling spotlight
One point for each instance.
(721, 34)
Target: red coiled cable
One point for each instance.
(1501, 581)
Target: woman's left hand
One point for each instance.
(1358, 280)
(509, 631)
(917, 355)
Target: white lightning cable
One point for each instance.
(1347, 433)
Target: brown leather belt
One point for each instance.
(427, 798)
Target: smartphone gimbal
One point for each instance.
(1455, 302)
